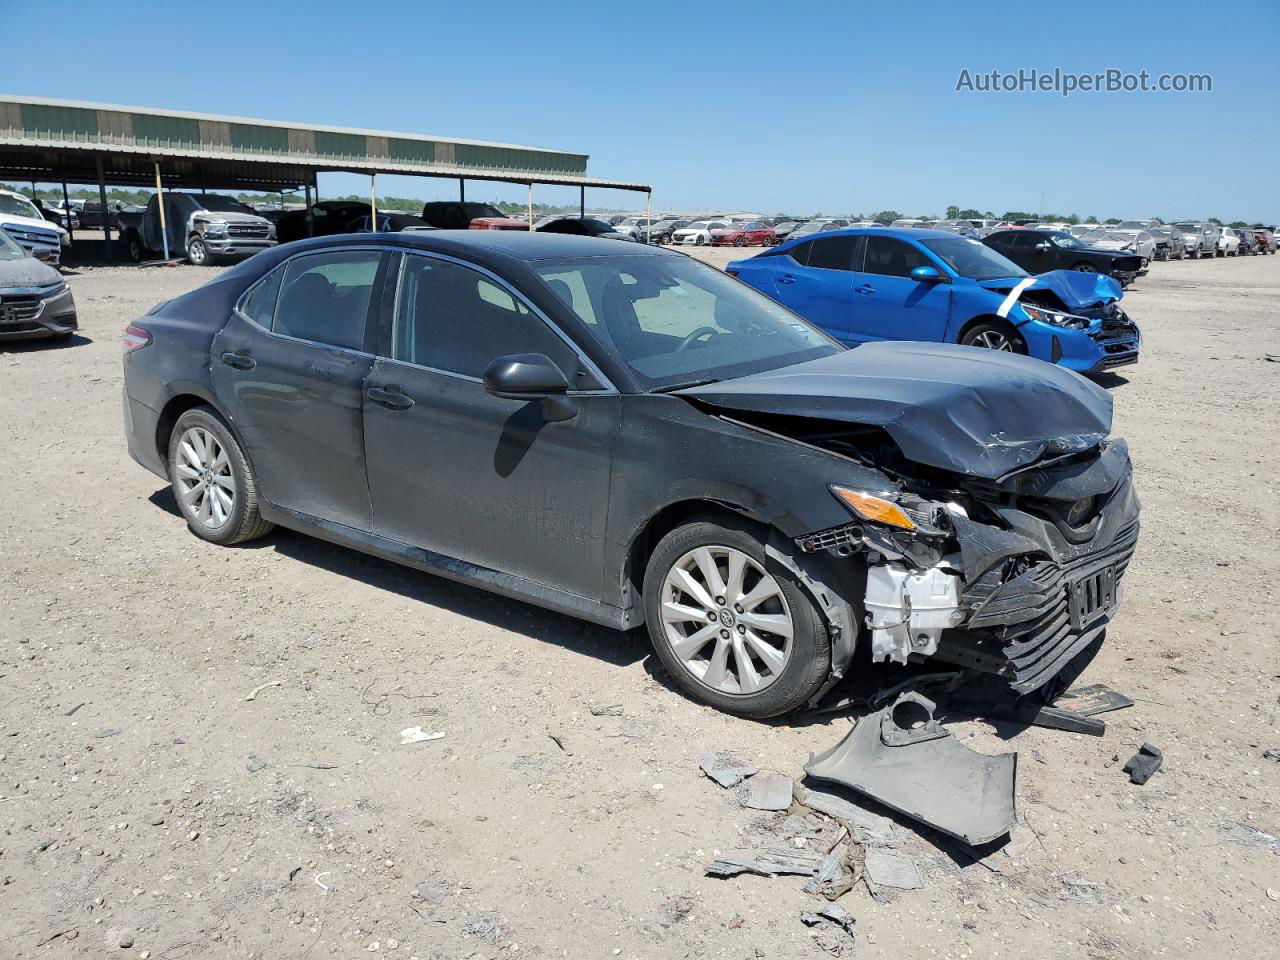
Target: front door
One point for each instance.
(889, 304)
(457, 471)
(290, 369)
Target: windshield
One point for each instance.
(1188, 227)
(698, 225)
(1066, 241)
(1132, 225)
(18, 207)
(673, 320)
(8, 249)
(972, 259)
(221, 204)
(473, 210)
(1100, 235)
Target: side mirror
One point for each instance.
(927, 275)
(524, 376)
(531, 376)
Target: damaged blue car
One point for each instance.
(867, 284)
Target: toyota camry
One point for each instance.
(626, 435)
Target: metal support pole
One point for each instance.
(462, 190)
(164, 230)
(102, 198)
(531, 208)
(66, 209)
(582, 201)
(373, 203)
(648, 218)
(311, 218)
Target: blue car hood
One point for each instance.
(1076, 290)
(966, 409)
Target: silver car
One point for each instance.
(1200, 239)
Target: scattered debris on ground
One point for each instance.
(253, 694)
(725, 769)
(766, 791)
(923, 772)
(836, 929)
(1249, 836)
(1143, 764)
(418, 735)
(887, 869)
(609, 710)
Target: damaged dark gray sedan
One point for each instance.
(634, 438)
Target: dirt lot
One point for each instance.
(146, 798)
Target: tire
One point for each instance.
(802, 663)
(994, 335)
(697, 240)
(739, 241)
(1083, 267)
(136, 251)
(198, 253)
(193, 459)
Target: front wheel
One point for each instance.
(1083, 267)
(994, 336)
(212, 480)
(198, 253)
(734, 628)
(698, 241)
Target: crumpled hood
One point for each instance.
(966, 409)
(27, 272)
(1076, 290)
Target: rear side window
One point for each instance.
(260, 305)
(325, 297)
(800, 253)
(452, 318)
(833, 253)
(892, 258)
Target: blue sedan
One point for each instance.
(879, 284)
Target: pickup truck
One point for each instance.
(20, 219)
(460, 215)
(203, 227)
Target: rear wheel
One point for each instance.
(212, 481)
(735, 629)
(1083, 267)
(136, 250)
(994, 336)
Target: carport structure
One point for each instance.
(70, 141)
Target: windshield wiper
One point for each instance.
(672, 387)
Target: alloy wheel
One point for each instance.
(206, 485)
(726, 620)
(993, 340)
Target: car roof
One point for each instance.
(900, 233)
(519, 245)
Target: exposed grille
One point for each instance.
(31, 235)
(13, 309)
(836, 538)
(1027, 628)
(258, 231)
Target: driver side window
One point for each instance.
(452, 318)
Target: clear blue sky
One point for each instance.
(820, 106)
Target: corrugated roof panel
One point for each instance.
(43, 119)
(176, 132)
(258, 139)
(346, 145)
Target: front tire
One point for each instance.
(213, 482)
(1083, 267)
(994, 336)
(734, 628)
(198, 253)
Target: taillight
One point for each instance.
(135, 338)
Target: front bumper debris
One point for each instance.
(924, 772)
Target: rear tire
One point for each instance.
(213, 483)
(736, 654)
(136, 250)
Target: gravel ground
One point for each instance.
(146, 798)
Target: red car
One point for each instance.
(460, 215)
(744, 235)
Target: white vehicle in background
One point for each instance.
(908, 223)
(41, 238)
(1126, 241)
(1078, 230)
(1228, 242)
(698, 233)
(636, 227)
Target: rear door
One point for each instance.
(289, 368)
(816, 281)
(462, 473)
(888, 303)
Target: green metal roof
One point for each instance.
(65, 137)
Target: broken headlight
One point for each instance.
(900, 511)
(1055, 317)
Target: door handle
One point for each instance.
(865, 288)
(786, 278)
(390, 396)
(240, 360)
